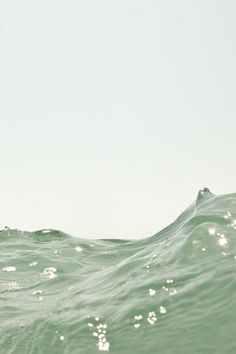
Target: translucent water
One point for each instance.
(174, 292)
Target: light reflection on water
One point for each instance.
(74, 296)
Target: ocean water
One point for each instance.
(172, 293)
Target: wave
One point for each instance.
(172, 292)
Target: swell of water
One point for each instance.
(173, 292)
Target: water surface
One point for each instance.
(174, 292)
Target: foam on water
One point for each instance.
(173, 292)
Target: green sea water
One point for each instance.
(172, 293)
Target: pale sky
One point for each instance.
(113, 114)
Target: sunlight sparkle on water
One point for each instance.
(49, 273)
(9, 269)
(152, 318)
(78, 248)
(222, 240)
(136, 325)
(100, 334)
(212, 231)
(152, 292)
(162, 309)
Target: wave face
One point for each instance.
(173, 292)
